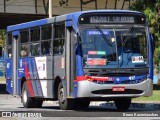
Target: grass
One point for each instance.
(2, 79)
(154, 98)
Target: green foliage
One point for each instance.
(154, 98)
(156, 58)
(2, 37)
(149, 7)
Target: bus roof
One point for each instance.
(67, 17)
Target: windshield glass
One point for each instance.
(112, 48)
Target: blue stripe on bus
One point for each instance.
(15, 33)
(32, 78)
(75, 89)
(150, 56)
(33, 74)
(79, 67)
(27, 25)
(38, 80)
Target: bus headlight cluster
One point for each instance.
(133, 82)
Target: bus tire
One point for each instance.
(38, 103)
(64, 103)
(27, 101)
(82, 103)
(123, 104)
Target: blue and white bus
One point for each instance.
(99, 55)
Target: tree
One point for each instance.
(2, 38)
(2, 41)
(151, 10)
(149, 7)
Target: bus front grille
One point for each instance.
(109, 91)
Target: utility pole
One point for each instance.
(50, 8)
(4, 5)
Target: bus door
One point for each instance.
(71, 61)
(15, 54)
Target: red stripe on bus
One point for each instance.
(91, 78)
(29, 82)
(80, 78)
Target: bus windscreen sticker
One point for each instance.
(137, 59)
(96, 61)
(96, 52)
(96, 58)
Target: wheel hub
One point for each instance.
(61, 95)
(24, 96)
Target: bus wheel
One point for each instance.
(27, 101)
(64, 103)
(123, 104)
(82, 103)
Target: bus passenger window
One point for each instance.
(9, 39)
(24, 36)
(58, 42)
(46, 47)
(9, 45)
(46, 32)
(9, 51)
(35, 49)
(35, 34)
(24, 50)
(58, 46)
(46, 35)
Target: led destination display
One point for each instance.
(111, 18)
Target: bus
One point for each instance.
(76, 58)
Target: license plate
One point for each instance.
(118, 89)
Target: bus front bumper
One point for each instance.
(94, 90)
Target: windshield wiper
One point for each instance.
(103, 35)
(127, 36)
(108, 41)
(125, 40)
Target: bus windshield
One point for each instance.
(114, 48)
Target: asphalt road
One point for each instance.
(12, 106)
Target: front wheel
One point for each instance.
(64, 103)
(27, 101)
(123, 104)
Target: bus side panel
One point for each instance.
(39, 73)
(59, 68)
(21, 73)
(9, 84)
(32, 67)
(50, 82)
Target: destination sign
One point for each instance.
(112, 18)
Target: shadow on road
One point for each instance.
(93, 109)
(156, 87)
(3, 89)
(54, 111)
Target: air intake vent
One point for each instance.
(109, 91)
(93, 72)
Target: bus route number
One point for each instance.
(137, 59)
